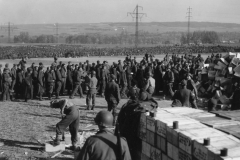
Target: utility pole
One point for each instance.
(137, 15)
(9, 27)
(57, 31)
(188, 16)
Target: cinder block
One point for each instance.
(152, 153)
(145, 157)
(185, 143)
(158, 141)
(143, 121)
(143, 134)
(161, 128)
(150, 137)
(163, 145)
(200, 152)
(146, 148)
(158, 154)
(52, 148)
(169, 150)
(151, 124)
(164, 156)
(182, 155)
(174, 153)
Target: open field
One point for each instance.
(23, 123)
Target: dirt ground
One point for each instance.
(22, 124)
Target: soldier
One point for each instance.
(14, 76)
(58, 81)
(6, 83)
(64, 77)
(96, 148)
(19, 82)
(168, 79)
(129, 74)
(40, 78)
(35, 81)
(184, 96)
(103, 79)
(50, 81)
(69, 80)
(92, 90)
(28, 88)
(112, 95)
(77, 74)
(71, 120)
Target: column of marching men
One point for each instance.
(37, 81)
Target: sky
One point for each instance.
(95, 11)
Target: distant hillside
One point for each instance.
(117, 28)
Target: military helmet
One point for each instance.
(104, 118)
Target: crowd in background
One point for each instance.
(42, 51)
(149, 75)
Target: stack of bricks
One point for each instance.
(176, 134)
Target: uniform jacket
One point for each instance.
(112, 93)
(40, 77)
(168, 77)
(58, 75)
(28, 79)
(51, 77)
(77, 76)
(103, 146)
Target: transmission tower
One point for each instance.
(189, 17)
(137, 15)
(56, 31)
(9, 27)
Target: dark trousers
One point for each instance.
(58, 88)
(112, 107)
(73, 122)
(167, 89)
(77, 87)
(90, 95)
(50, 89)
(103, 86)
(40, 90)
(13, 84)
(63, 85)
(6, 94)
(129, 80)
(28, 92)
(123, 90)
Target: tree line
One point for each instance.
(204, 37)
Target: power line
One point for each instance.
(9, 28)
(188, 16)
(57, 31)
(137, 15)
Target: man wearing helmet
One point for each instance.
(104, 145)
(70, 119)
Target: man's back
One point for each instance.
(112, 92)
(183, 95)
(103, 146)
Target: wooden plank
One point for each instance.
(52, 148)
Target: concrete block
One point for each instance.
(169, 150)
(164, 156)
(150, 137)
(185, 143)
(152, 153)
(146, 148)
(182, 155)
(52, 148)
(161, 128)
(143, 134)
(158, 141)
(143, 121)
(145, 157)
(199, 151)
(163, 145)
(158, 155)
(151, 124)
(174, 153)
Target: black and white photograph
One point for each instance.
(119, 80)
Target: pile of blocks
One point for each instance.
(176, 134)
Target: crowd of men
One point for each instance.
(13, 52)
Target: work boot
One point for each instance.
(57, 140)
(93, 106)
(40, 98)
(73, 147)
(87, 108)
